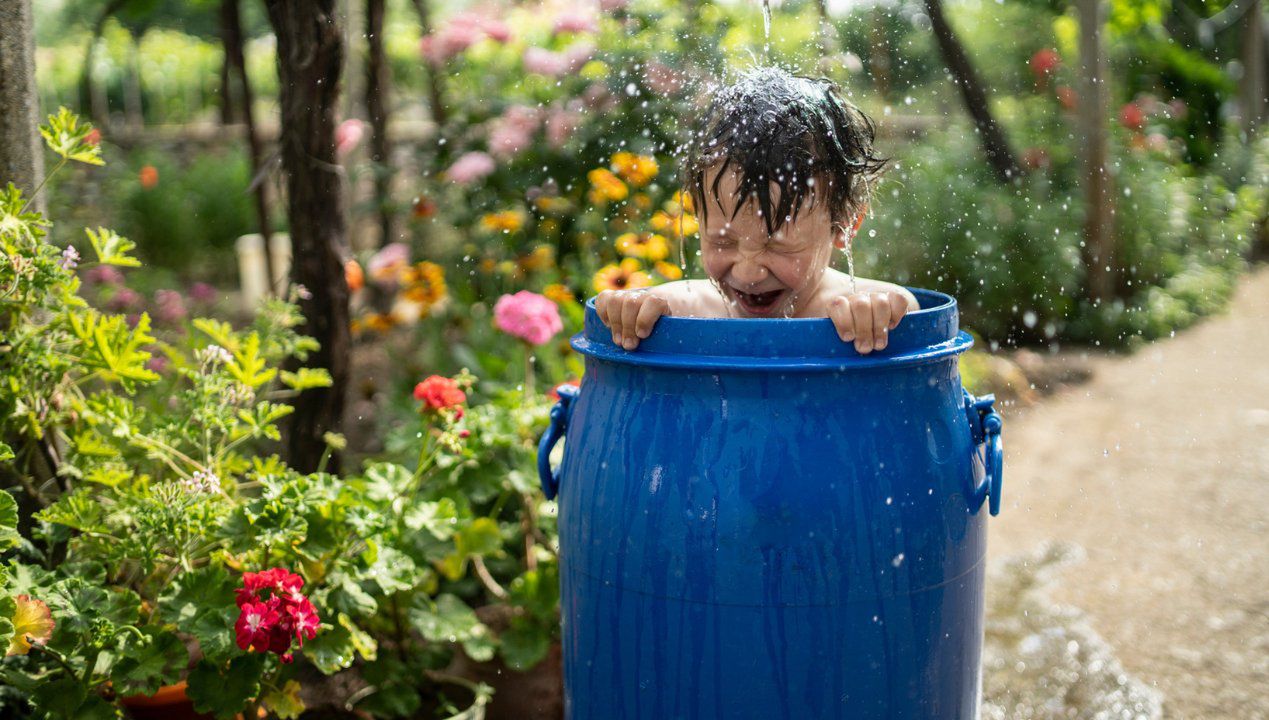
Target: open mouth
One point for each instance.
(759, 303)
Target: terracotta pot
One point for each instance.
(169, 703)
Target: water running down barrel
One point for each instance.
(757, 522)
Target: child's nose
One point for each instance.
(749, 272)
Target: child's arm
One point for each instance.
(631, 314)
(867, 317)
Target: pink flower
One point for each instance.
(273, 613)
(461, 32)
(497, 30)
(125, 299)
(255, 623)
(513, 131)
(201, 292)
(348, 135)
(575, 22)
(1132, 116)
(577, 55)
(470, 168)
(561, 122)
(662, 79)
(169, 306)
(541, 61)
(528, 316)
(609, 6)
(385, 265)
(1043, 63)
(105, 275)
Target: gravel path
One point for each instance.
(1158, 468)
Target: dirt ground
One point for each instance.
(1159, 468)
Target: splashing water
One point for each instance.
(1042, 661)
(766, 26)
(850, 266)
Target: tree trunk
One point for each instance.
(990, 134)
(435, 88)
(1099, 232)
(21, 161)
(236, 61)
(228, 15)
(377, 82)
(1253, 83)
(309, 53)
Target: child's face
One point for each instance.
(762, 275)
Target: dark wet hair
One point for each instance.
(772, 125)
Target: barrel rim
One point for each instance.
(781, 344)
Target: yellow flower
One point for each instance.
(379, 323)
(623, 276)
(642, 201)
(638, 170)
(680, 226)
(648, 246)
(605, 186)
(558, 293)
(551, 203)
(424, 284)
(487, 265)
(683, 200)
(542, 257)
(669, 271)
(507, 221)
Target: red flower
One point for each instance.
(1066, 96)
(439, 392)
(149, 177)
(1035, 158)
(255, 626)
(93, 137)
(1132, 116)
(1043, 63)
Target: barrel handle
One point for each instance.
(560, 415)
(985, 426)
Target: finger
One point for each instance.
(653, 308)
(880, 323)
(839, 311)
(861, 313)
(601, 306)
(629, 317)
(898, 308)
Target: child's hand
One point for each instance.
(630, 314)
(867, 318)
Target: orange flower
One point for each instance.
(423, 208)
(648, 246)
(354, 276)
(624, 276)
(680, 226)
(606, 187)
(378, 322)
(669, 271)
(32, 625)
(506, 221)
(424, 284)
(149, 177)
(559, 293)
(638, 170)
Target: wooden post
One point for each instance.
(1099, 230)
(377, 83)
(1253, 85)
(310, 50)
(21, 160)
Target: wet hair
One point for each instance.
(798, 131)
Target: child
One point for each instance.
(781, 168)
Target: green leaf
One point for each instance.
(8, 607)
(262, 421)
(331, 651)
(393, 571)
(286, 702)
(201, 603)
(114, 349)
(220, 332)
(248, 366)
(524, 643)
(144, 667)
(6, 452)
(9, 537)
(480, 538)
(447, 619)
(538, 591)
(109, 474)
(481, 645)
(223, 691)
(75, 510)
(439, 518)
(363, 642)
(68, 138)
(112, 248)
(307, 378)
(59, 698)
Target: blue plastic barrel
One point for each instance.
(757, 522)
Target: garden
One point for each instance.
(288, 290)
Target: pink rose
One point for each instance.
(541, 61)
(528, 316)
(348, 135)
(470, 168)
(575, 22)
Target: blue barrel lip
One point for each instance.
(781, 344)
